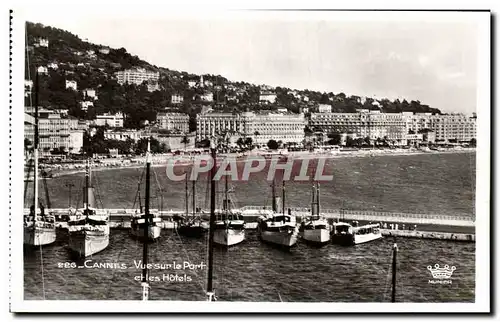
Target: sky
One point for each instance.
(432, 61)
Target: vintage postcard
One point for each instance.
(249, 161)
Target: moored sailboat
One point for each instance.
(39, 226)
(190, 225)
(315, 229)
(229, 227)
(278, 228)
(140, 219)
(88, 227)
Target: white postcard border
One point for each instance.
(482, 211)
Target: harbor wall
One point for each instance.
(428, 235)
(251, 213)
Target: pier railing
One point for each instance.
(341, 214)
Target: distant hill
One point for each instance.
(83, 62)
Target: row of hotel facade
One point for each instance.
(397, 128)
(59, 131)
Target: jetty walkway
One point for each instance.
(250, 213)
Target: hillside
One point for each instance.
(84, 63)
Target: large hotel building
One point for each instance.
(396, 126)
(261, 127)
(136, 76)
(175, 122)
(56, 132)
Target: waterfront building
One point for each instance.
(112, 120)
(56, 132)
(136, 76)
(71, 84)
(285, 127)
(395, 126)
(446, 127)
(261, 127)
(174, 141)
(175, 122)
(364, 123)
(177, 99)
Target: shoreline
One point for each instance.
(138, 162)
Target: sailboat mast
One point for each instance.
(145, 273)
(35, 150)
(226, 188)
(194, 198)
(212, 223)
(87, 185)
(283, 197)
(394, 267)
(187, 195)
(317, 200)
(275, 207)
(313, 201)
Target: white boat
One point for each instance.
(88, 227)
(348, 235)
(229, 226)
(229, 229)
(39, 231)
(278, 228)
(314, 229)
(39, 226)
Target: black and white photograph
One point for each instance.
(262, 160)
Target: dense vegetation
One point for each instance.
(96, 70)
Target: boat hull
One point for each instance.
(279, 238)
(361, 239)
(154, 232)
(191, 231)
(354, 239)
(87, 243)
(316, 236)
(39, 236)
(228, 237)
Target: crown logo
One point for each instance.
(441, 272)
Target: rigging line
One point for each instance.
(189, 260)
(97, 189)
(137, 193)
(41, 265)
(114, 271)
(28, 67)
(388, 277)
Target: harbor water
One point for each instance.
(253, 271)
